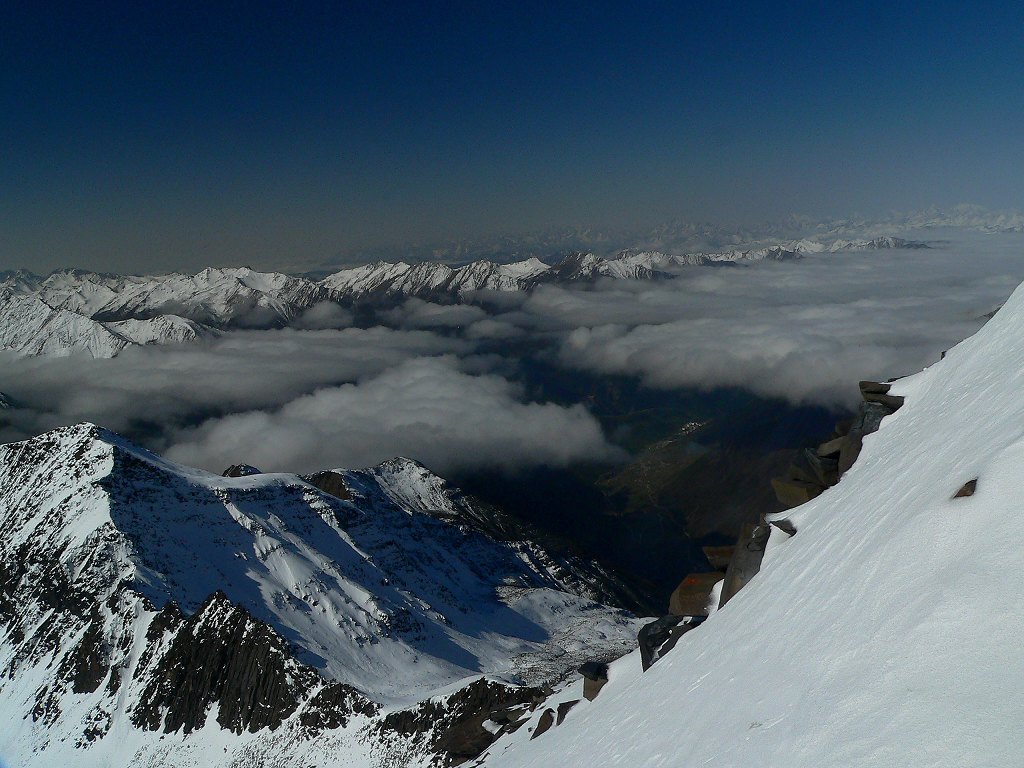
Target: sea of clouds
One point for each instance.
(437, 382)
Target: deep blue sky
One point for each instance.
(160, 135)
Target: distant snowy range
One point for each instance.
(71, 311)
(256, 518)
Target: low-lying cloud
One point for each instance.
(425, 408)
(306, 400)
(439, 384)
(804, 331)
(175, 386)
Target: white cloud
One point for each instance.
(426, 408)
(806, 331)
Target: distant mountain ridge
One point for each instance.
(75, 311)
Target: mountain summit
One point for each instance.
(139, 597)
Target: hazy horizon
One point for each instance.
(142, 139)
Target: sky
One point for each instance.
(149, 136)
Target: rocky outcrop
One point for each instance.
(693, 595)
(595, 675)
(240, 470)
(453, 727)
(814, 470)
(221, 655)
(746, 560)
(329, 482)
(660, 636)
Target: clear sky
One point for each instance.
(157, 135)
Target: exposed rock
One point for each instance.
(547, 719)
(564, 708)
(792, 492)
(693, 595)
(967, 489)
(222, 655)
(719, 557)
(831, 448)
(455, 725)
(869, 417)
(240, 470)
(595, 675)
(746, 562)
(656, 639)
(332, 706)
(329, 482)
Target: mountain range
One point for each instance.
(75, 311)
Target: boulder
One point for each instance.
(794, 492)
(547, 719)
(831, 448)
(693, 595)
(240, 470)
(564, 708)
(719, 557)
(653, 636)
(824, 469)
(746, 561)
(595, 675)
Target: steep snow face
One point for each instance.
(383, 590)
(885, 632)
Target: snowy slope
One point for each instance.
(379, 590)
(139, 596)
(885, 632)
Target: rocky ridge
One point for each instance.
(260, 614)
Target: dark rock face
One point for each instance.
(240, 470)
(456, 724)
(329, 482)
(653, 636)
(660, 636)
(746, 561)
(564, 708)
(332, 706)
(222, 655)
(693, 595)
(547, 719)
(595, 675)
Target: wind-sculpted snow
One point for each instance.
(74, 311)
(885, 632)
(117, 568)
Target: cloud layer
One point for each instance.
(439, 384)
(425, 408)
(804, 331)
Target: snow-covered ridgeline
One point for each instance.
(884, 632)
(75, 311)
(120, 571)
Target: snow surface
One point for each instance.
(885, 632)
(380, 591)
(392, 590)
